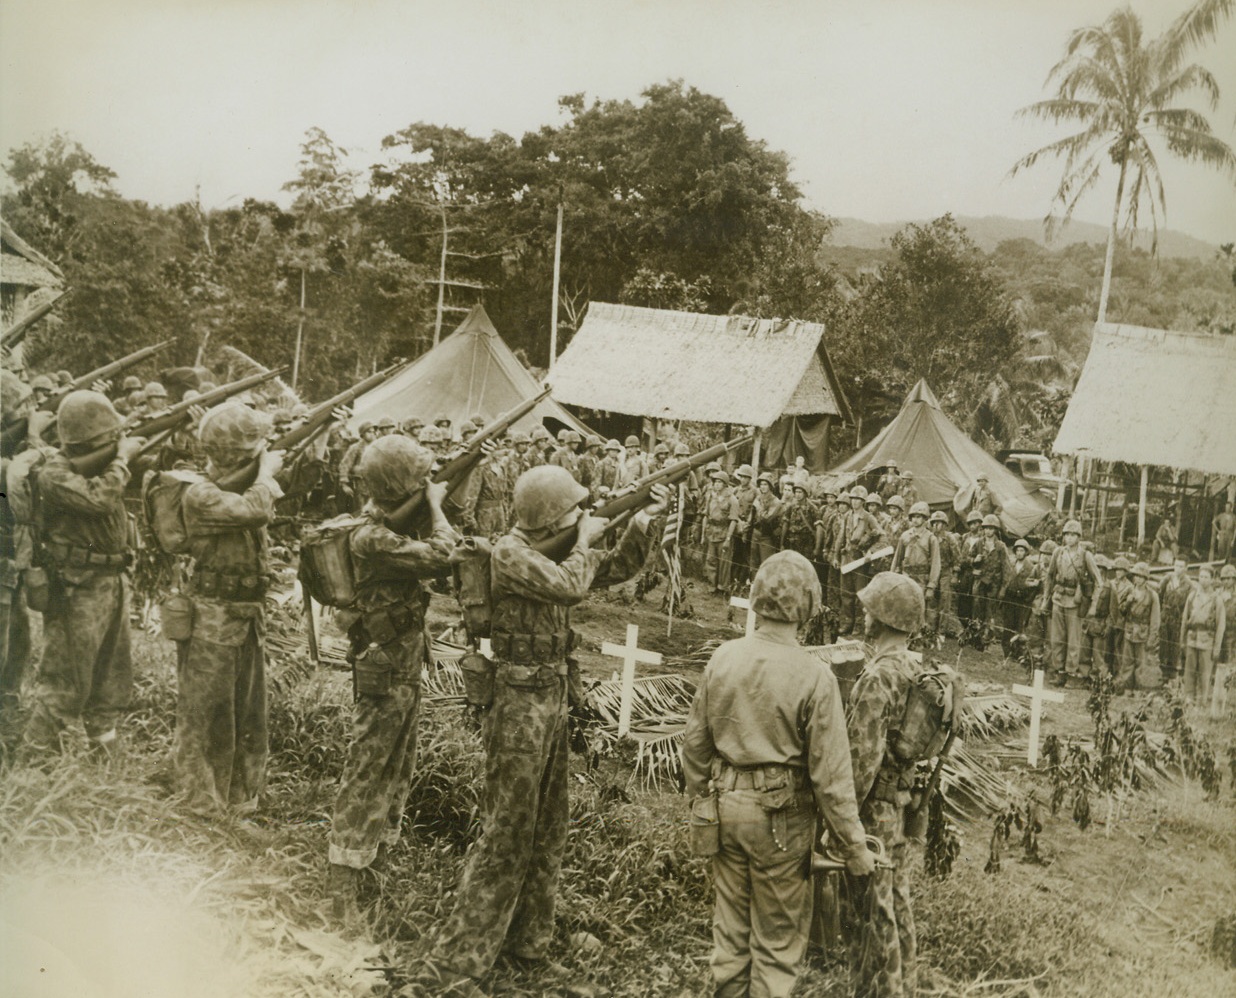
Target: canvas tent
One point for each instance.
(945, 463)
(734, 369)
(471, 371)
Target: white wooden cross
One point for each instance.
(485, 648)
(630, 653)
(745, 604)
(1037, 695)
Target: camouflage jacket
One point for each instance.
(227, 530)
(389, 567)
(877, 705)
(83, 512)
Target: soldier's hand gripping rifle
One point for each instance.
(15, 432)
(621, 507)
(412, 516)
(154, 430)
(16, 333)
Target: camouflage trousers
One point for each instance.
(377, 775)
(505, 901)
(221, 742)
(878, 919)
(86, 670)
(762, 916)
(15, 645)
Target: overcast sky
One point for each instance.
(889, 109)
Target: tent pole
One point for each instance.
(437, 323)
(553, 314)
(1102, 505)
(1141, 508)
(755, 451)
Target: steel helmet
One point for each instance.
(155, 390)
(1072, 527)
(632, 441)
(385, 423)
(613, 445)
(1047, 547)
(365, 427)
(907, 475)
(858, 492)
(283, 417)
(974, 516)
(661, 449)
(800, 487)
(744, 471)
(1021, 544)
(939, 516)
(84, 415)
(991, 520)
(232, 432)
(131, 384)
(980, 477)
(1228, 572)
(896, 501)
(543, 495)
(429, 435)
(520, 437)
(892, 464)
(873, 499)
(1141, 570)
(766, 476)
(682, 450)
(1123, 562)
(477, 420)
(718, 473)
(540, 433)
(394, 467)
(440, 419)
(895, 600)
(843, 497)
(923, 510)
(573, 437)
(786, 588)
(41, 383)
(712, 466)
(594, 441)
(564, 435)
(63, 379)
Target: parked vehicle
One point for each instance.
(1035, 469)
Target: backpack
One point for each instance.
(932, 712)
(326, 570)
(163, 494)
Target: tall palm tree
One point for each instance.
(1122, 89)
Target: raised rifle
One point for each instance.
(15, 432)
(16, 333)
(320, 415)
(411, 516)
(620, 508)
(157, 428)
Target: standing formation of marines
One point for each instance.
(67, 543)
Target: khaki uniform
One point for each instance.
(1021, 587)
(941, 612)
(1064, 585)
(858, 533)
(766, 732)
(741, 549)
(221, 724)
(798, 526)
(389, 648)
(86, 669)
(918, 556)
(1201, 634)
(635, 466)
(505, 900)
(720, 519)
(765, 526)
(880, 921)
(991, 562)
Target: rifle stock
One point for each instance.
(93, 462)
(16, 333)
(411, 515)
(623, 507)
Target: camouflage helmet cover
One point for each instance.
(232, 432)
(520, 437)
(766, 476)
(661, 448)
(429, 435)
(564, 435)
(923, 510)
(895, 600)
(394, 467)
(84, 415)
(573, 437)
(873, 499)
(545, 494)
(786, 588)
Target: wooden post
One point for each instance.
(300, 330)
(553, 316)
(1141, 508)
(755, 451)
(437, 323)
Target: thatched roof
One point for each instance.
(710, 368)
(1157, 397)
(22, 264)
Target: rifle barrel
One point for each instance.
(174, 415)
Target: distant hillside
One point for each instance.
(991, 230)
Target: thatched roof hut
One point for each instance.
(730, 369)
(1155, 397)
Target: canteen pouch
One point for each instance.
(38, 589)
(478, 679)
(372, 673)
(176, 617)
(705, 827)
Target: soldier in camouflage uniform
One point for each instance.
(881, 922)
(221, 740)
(15, 552)
(86, 670)
(765, 746)
(486, 514)
(389, 647)
(505, 901)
